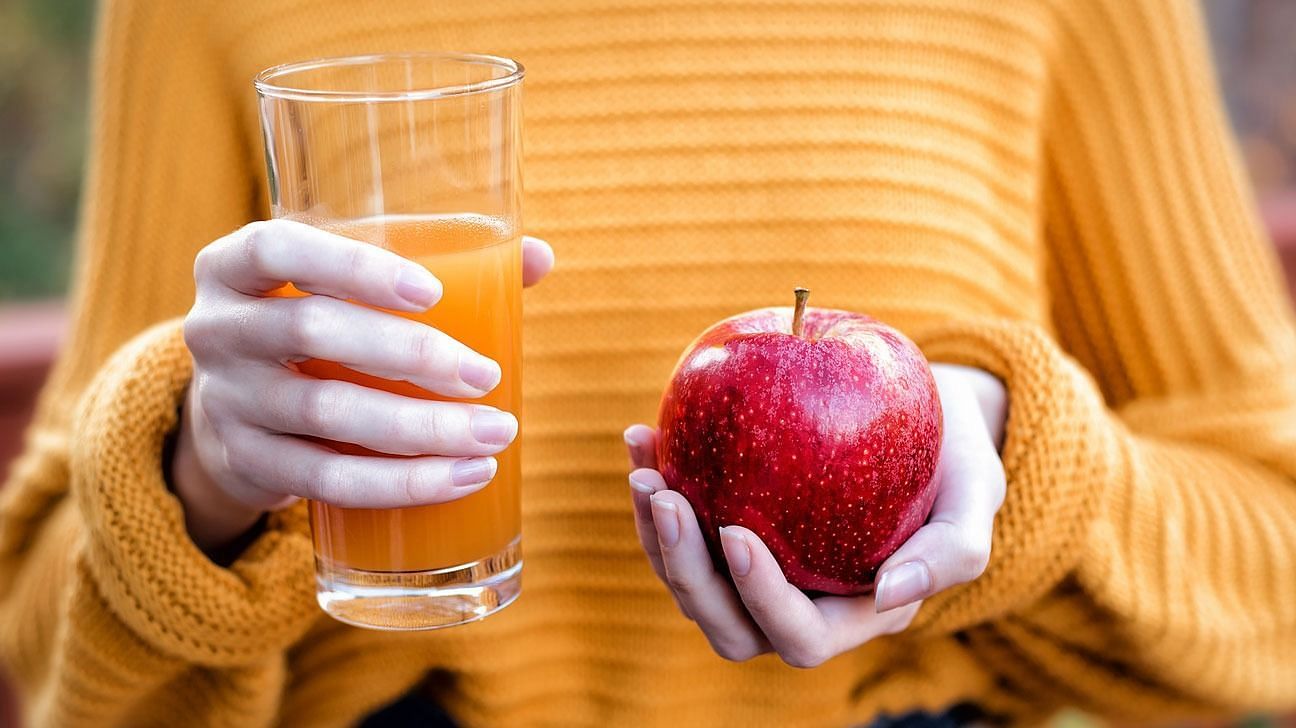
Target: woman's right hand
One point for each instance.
(243, 445)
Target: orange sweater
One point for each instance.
(1042, 188)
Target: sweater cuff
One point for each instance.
(148, 570)
(1061, 448)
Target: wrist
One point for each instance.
(990, 394)
(214, 520)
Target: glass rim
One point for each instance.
(266, 85)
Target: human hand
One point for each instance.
(756, 610)
(242, 446)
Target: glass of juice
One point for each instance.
(419, 153)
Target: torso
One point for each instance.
(688, 162)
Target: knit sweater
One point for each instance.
(1041, 188)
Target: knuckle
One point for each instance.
(199, 331)
(238, 466)
(412, 483)
(204, 262)
(682, 587)
(254, 241)
(428, 353)
(324, 480)
(203, 387)
(434, 426)
(402, 426)
(759, 606)
(212, 402)
(732, 652)
(321, 408)
(805, 656)
(310, 324)
(240, 457)
(971, 559)
(418, 486)
(247, 326)
(364, 264)
(997, 484)
(218, 331)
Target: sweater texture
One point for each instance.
(1042, 188)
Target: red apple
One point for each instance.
(817, 429)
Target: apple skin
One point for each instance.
(824, 444)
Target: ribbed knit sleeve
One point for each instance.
(107, 611)
(1041, 188)
(155, 579)
(147, 613)
(1151, 448)
(1060, 449)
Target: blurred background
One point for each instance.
(43, 53)
(44, 48)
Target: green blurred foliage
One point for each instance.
(43, 68)
(43, 62)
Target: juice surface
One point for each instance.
(479, 262)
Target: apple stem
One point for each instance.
(798, 314)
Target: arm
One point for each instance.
(113, 613)
(1142, 558)
(1150, 455)
(104, 602)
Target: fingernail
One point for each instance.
(492, 427)
(666, 518)
(737, 552)
(634, 446)
(417, 285)
(905, 584)
(478, 371)
(640, 486)
(472, 471)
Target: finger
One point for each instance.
(287, 465)
(953, 547)
(703, 593)
(291, 403)
(210, 435)
(641, 440)
(374, 342)
(854, 621)
(643, 484)
(537, 260)
(261, 257)
(786, 616)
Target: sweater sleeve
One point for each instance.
(108, 613)
(1144, 563)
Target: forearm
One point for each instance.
(1193, 558)
(1162, 560)
(1181, 604)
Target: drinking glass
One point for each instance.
(419, 153)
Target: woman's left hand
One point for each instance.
(759, 611)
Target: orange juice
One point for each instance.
(479, 263)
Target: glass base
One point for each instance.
(419, 600)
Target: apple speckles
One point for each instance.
(809, 442)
